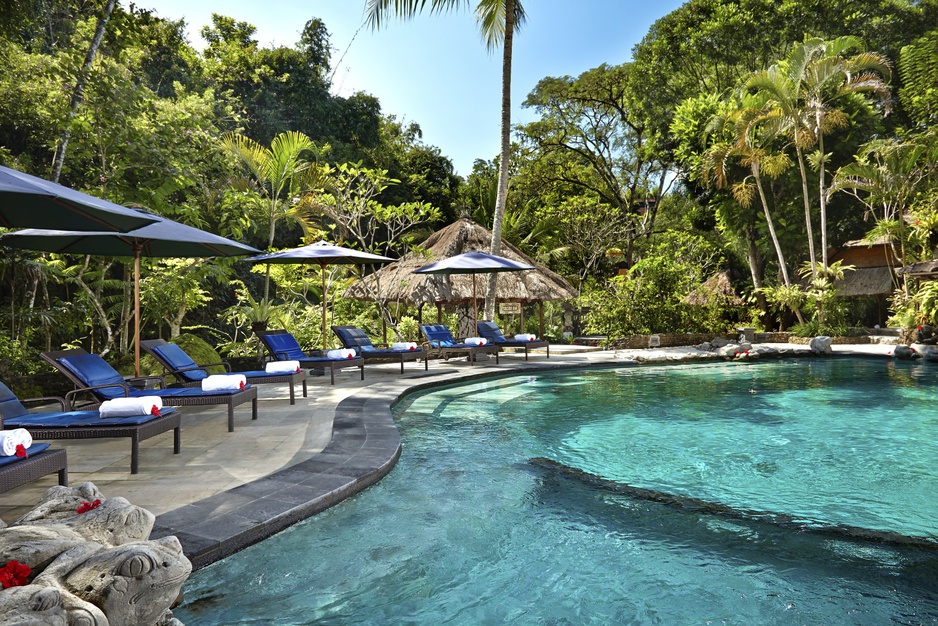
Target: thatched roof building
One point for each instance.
(396, 282)
(873, 263)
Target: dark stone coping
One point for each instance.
(365, 446)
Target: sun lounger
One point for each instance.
(283, 346)
(491, 331)
(188, 373)
(65, 424)
(440, 342)
(355, 338)
(40, 461)
(94, 376)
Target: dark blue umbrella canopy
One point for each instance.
(162, 238)
(473, 263)
(321, 252)
(28, 202)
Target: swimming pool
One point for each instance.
(467, 530)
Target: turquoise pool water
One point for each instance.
(466, 530)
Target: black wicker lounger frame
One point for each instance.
(135, 432)
(231, 400)
(292, 378)
(26, 471)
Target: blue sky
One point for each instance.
(435, 70)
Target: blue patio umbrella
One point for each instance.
(322, 253)
(162, 238)
(29, 202)
(474, 263)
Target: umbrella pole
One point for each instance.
(322, 269)
(475, 303)
(136, 310)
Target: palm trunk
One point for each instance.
(504, 157)
(768, 220)
(79, 91)
(270, 244)
(807, 209)
(822, 196)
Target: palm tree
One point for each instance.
(743, 144)
(802, 91)
(279, 171)
(498, 20)
(739, 123)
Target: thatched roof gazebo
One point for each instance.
(395, 281)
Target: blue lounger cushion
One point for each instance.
(183, 364)
(94, 371)
(356, 339)
(80, 419)
(440, 336)
(286, 348)
(32, 450)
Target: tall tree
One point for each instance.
(592, 138)
(801, 92)
(78, 91)
(498, 20)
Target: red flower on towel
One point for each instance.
(84, 507)
(21, 451)
(412, 348)
(241, 384)
(155, 410)
(14, 574)
(298, 369)
(351, 356)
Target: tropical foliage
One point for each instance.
(746, 140)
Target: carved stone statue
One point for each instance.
(89, 562)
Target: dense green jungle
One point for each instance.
(754, 164)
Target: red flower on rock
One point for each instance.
(21, 451)
(14, 574)
(84, 507)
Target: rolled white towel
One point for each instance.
(128, 407)
(404, 345)
(476, 341)
(525, 337)
(282, 367)
(10, 439)
(341, 353)
(224, 382)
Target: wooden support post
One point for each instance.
(541, 336)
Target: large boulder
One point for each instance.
(820, 345)
(88, 561)
(906, 352)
